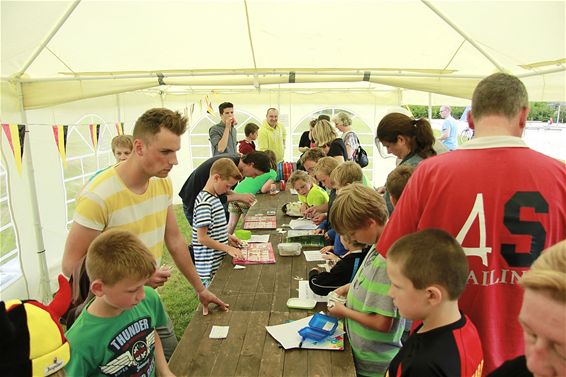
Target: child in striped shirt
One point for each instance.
(211, 240)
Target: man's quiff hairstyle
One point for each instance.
(116, 255)
(398, 179)
(313, 154)
(153, 120)
(432, 257)
(346, 173)
(226, 169)
(224, 105)
(325, 166)
(499, 94)
(548, 273)
(354, 205)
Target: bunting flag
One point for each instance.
(60, 133)
(120, 128)
(94, 134)
(16, 133)
(209, 106)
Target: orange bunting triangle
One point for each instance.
(60, 134)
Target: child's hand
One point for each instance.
(343, 290)
(330, 256)
(319, 218)
(310, 212)
(246, 198)
(235, 252)
(303, 209)
(326, 249)
(319, 231)
(337, 310)
(381, 190)
(326, 236)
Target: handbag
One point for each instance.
(361, 156)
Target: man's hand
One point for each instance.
(246, 198)
(159, 277)
(234, 241)
(206, 297)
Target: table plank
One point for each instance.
(252, 348)
(257, 296)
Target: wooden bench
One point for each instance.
(258, 297)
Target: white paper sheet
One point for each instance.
(306, 292)
(302, 224)
(288, 336)
(259, 238)
(219, 332)
(313, 255)
(293, 192)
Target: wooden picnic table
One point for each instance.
(258, 297)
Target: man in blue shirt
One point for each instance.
(449, 128)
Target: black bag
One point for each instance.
(361, 156)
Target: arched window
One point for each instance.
(9, 246)
(199, 145)
(83, 160)
(364, 132)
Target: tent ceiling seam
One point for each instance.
(61, 60)
(256, 82)
(454, 55)
(48, 39)
(463, 34)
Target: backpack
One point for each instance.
(360, 155)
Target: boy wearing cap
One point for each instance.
(115, 334)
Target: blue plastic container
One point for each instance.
(320, 326)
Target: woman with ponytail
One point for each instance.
(411, 140)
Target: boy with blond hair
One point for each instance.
(122, 146)
(211, 240)
(116, 331)
(428, 272)
(373, 325)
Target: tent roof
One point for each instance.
(67, 50)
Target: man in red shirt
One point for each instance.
(502, 201)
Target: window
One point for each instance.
(9, 246)
(83, 161)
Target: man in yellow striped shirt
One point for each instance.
(136, 195)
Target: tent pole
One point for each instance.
(48, 38)
(429, 106)
(45, 287)
(463, 34)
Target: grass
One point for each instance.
(177, 294)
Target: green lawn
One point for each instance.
(177, 294)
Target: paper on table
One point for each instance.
(293, 192)
(288, 336)
(259, 238)
(219, 332)
(313, 255)
(302, 224)
(306, 292)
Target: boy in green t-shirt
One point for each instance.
(116, 330)
(373, 324)
(261, 183)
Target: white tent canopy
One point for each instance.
(80, 63)
(63, 51)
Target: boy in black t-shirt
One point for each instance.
(428, 272)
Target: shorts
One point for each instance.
(238, 207)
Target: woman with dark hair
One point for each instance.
(325, 137)
(306, 141)
(410, 140)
